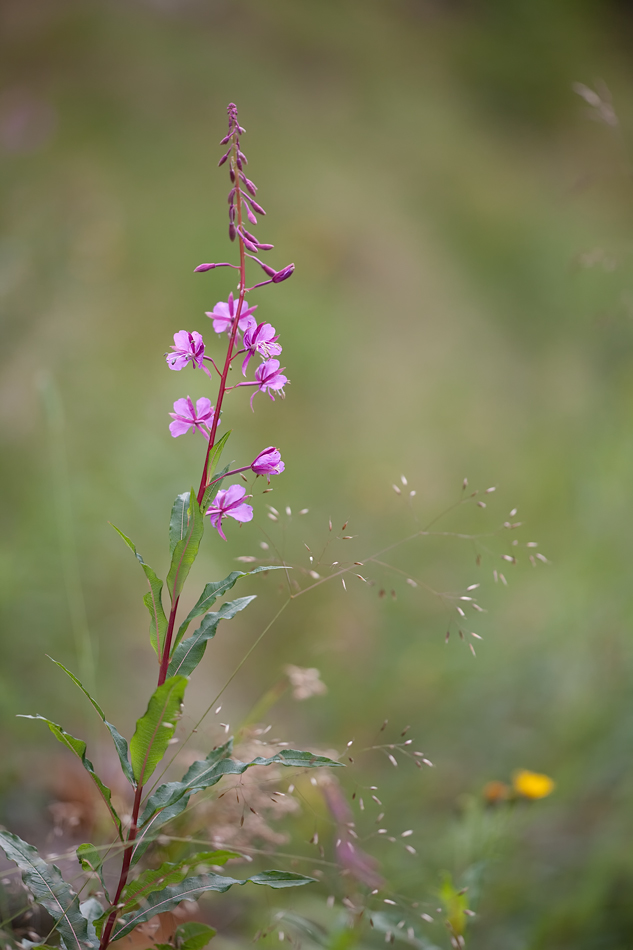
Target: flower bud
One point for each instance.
(257, 207)
(268, 462)
(284, 274)
(250, 186)
(224, 158)
(251, 216)
(231, 231)
(202, 267)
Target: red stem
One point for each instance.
(164, 663)
(125, 868)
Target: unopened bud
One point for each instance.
(232, 231)
(284, 274)
(251, 217)
(257, 207)
(224, 158)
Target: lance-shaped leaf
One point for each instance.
(157, 879)
(189, 652)
(152, 600)
(50, 890)
(207, 772)
(213, 489)
(215, 589)
(193, 887)
(120, 743)
(212, 464)
(179, 520)
(186, 549)
(154, 730)
(162, 806)
(78, 747)
(91, 861)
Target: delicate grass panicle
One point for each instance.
(171, 839)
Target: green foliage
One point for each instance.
(193, 887)
(157, 879)
(120, 743)
(179, 520)
(215, 589)
(193, 936)
(171, 798)
(455, 904)
(78, 747)
(156, 727)
(189, 652)
(50, 890)
(214, 458)
(152, 599)
(190, 936)
(186, 548)
(91, 861)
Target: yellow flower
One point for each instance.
(532, 784)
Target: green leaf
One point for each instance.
(214, 458)
(120, 743)
(157, 879)
(78, 746)
(207, 772)
(91, 861)
(193, 936)
(193, 887)
(91, 909)
(179, 520)
(216, 589)
(213, 489)
(50, 890)
(189, 652)
(154, 730)
(186, 549)
(281, 879)
(152, 599)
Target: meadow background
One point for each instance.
(462, 307)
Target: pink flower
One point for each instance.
(186, 417)
(229, 503)
(269, 379)
(268, 462)
(223, 313)
(260, 339)
(188, 348)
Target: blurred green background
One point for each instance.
(462, 307)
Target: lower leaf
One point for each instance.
(49, 889)
(193, 887)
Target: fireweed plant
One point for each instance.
(138, 897)
(116, 900)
